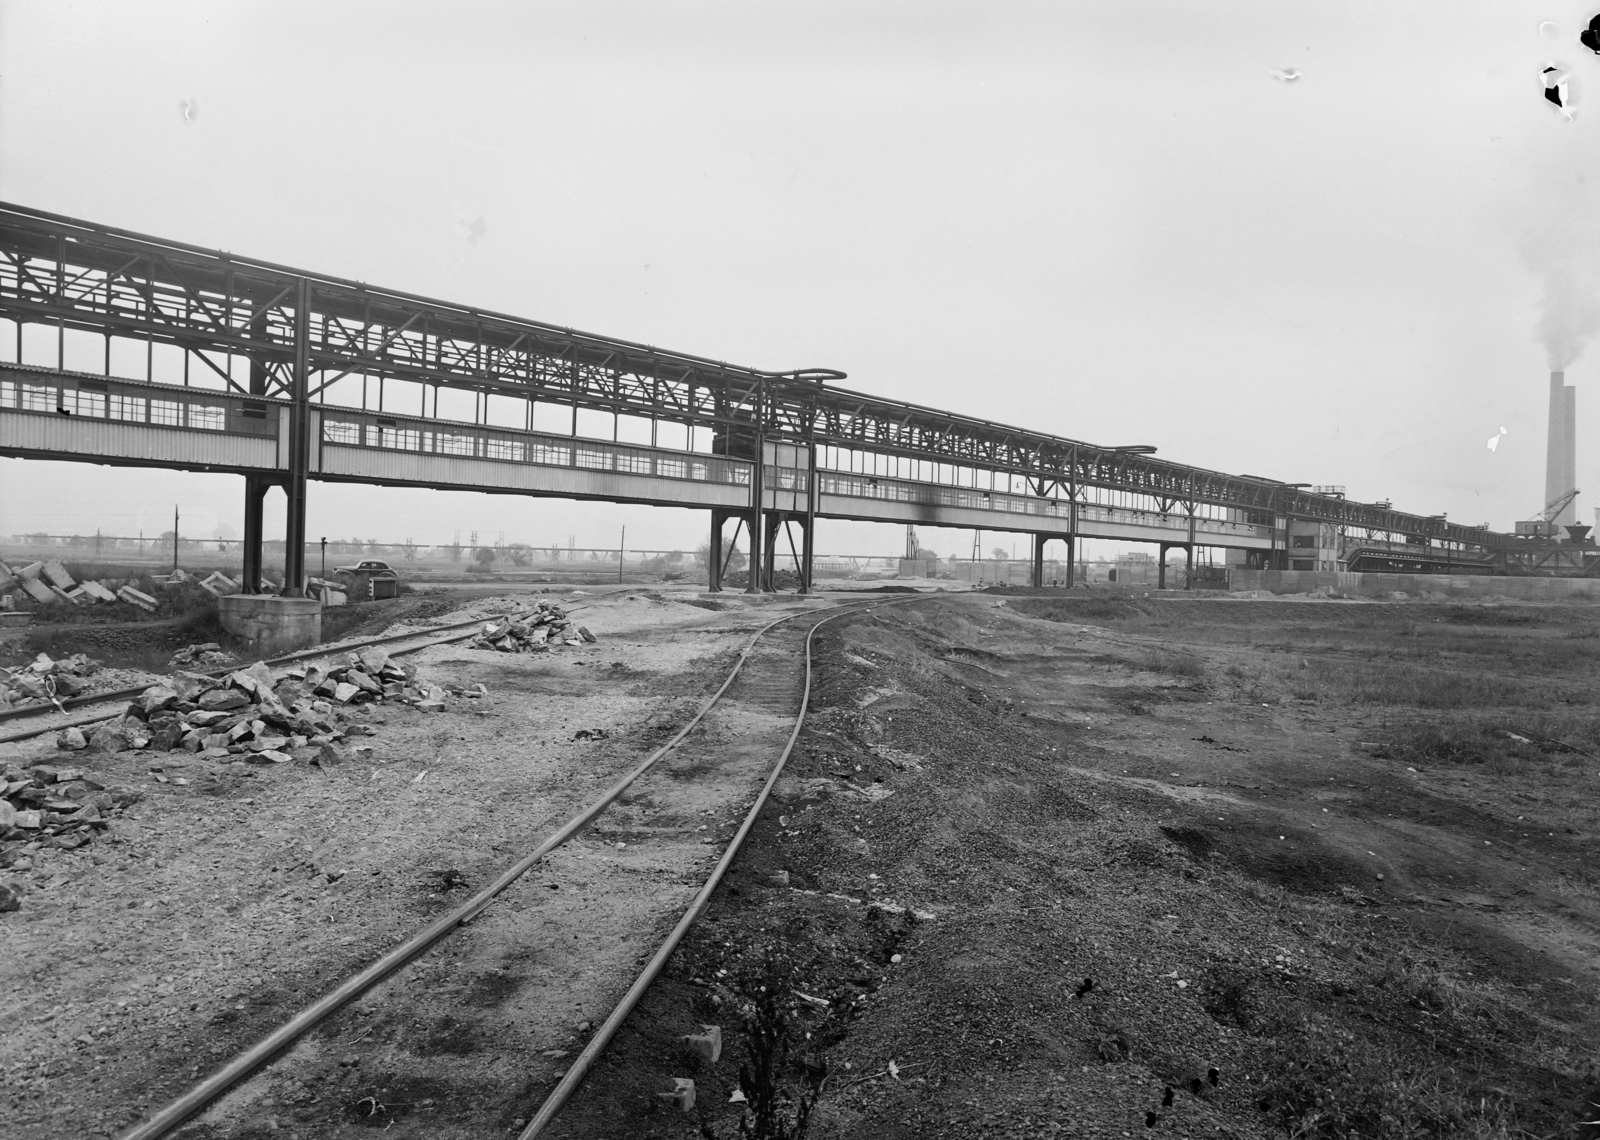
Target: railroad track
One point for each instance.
(744, 733)
(412, 642)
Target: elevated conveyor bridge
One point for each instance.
(134, 350)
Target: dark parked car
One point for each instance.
(374, 566)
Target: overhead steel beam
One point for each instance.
(73, 274)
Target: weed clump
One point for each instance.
(1326, 1082)
(780, 1091)
(1495, 743)
(1173, 663)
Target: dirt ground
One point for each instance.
(1085, 866)
(217, 907)
(1316, 887)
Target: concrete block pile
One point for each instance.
(50, 805)
(204, 656)
(535, 631)
(219, 584)
(253, 716)
(46, 679)
(49, 584)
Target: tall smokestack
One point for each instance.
(1569, 457)
(1561, 449)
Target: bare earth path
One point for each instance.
(213, 910)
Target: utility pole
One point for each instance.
(622, 546)
(325, 555)
(174, 536)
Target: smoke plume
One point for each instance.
(1563, 249)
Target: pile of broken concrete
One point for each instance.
(49, 583)
(46, 679)
(62, 805)
(206, 655)
(535, 631)
(251, 715)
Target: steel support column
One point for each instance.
(771, 522)
(758, 495)
(807, 549)
(1161, 567)
(1037, 577)
(714, 553)
(294, 545)
(1072, 541)
(807, 555)
(255, 494)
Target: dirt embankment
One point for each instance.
(1184, 868)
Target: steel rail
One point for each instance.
(252, 1059)
(288, 658)
(602, 1037)
(29, 733)
(302, 655)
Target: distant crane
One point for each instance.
(1555, 506)
(1543, 525)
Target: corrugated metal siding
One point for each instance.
(72, 435)
(381, 466)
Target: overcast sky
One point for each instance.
(1108, 221)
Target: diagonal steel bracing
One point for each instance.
(76, 275)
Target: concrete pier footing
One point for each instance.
(271, 624)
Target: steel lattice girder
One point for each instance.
(78, 275)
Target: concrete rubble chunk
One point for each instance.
(99, 592)
(31, 570)
(344, 692)
(72, 740)
(40, 592)
(219, 584)
(138, 598)
(57, 575)
(707, 1043)
(681, 1095)
(189, 686)
(270, 756)
(261, 675)
(206, 655)
(223, 700)
(10, 898)
(155, 699)
(111, 738)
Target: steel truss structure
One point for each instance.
(302, 332)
